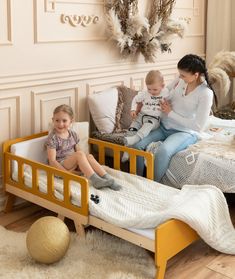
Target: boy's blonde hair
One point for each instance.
(65, 108)
(154, 76)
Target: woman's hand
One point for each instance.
(165, 106)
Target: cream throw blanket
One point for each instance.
(143, 203)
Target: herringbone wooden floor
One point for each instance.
(198, 261)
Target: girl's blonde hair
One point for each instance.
(65, 108)
(154, 76)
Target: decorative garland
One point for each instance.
(136, 34)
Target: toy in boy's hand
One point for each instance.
(95, 198)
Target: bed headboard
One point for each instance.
(34, 149)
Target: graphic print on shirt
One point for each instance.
(152, 103)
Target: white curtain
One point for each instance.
(220, 33)
(219, 27)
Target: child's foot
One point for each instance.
(99, 182)
(131, 140)
(108, 177)
(125, 157)
(115, 186)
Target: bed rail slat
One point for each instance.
(34, 179)
(116, 158)
(133, 163)
(117, 149)
(50, 172)
(66, 191)
(20, 171)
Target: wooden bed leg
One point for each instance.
(171, 237)
(61, 217)
(160, 272)
(9, 203)
(79, 229)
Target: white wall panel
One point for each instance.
(44, 102)
(73, 20)
(5, 23)
(10, 122)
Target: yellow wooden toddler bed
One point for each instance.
(170, 237)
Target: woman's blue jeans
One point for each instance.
(173, 142)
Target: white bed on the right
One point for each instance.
(210, 161)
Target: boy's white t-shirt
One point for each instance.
(151, 103)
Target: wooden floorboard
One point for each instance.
(223, 264)
(19, 213)
(198, 261)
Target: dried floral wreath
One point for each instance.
(137, 34)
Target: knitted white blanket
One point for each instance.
(143, 203)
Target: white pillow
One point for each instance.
(102, 106)
(82, 129)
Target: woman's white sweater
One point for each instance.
(189, 112)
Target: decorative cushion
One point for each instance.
(102, 106)
(117, 138)
(123, 118)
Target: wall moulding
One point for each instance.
(82, 20)
(50, 17)
(5, 23)
(43, 103)
(80, 74)
(10, 112)
(192, 11)
(51, 5)
(96, 87)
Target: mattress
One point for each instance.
(75, 194)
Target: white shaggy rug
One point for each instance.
(98, 256)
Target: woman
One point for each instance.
(183, 117)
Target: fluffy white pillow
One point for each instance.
(102, 106)
(82, 129)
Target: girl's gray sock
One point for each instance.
(114, 186)
(99, 182)
(108, 177)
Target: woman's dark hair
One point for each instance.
(193, 63)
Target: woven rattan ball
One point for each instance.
(48, 240)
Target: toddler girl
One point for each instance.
(63, 151)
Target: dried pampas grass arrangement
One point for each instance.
(224, 60)
(219, 70)
(136, 34)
